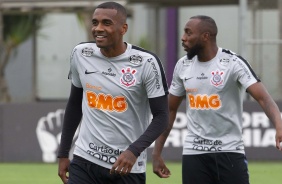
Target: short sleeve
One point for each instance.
(154, 78)
(74, 74)
(177, 88)
(245, 75)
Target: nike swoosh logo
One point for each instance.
(86, 72)
(187, 78)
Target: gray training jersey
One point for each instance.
(214, 93)
(115, 102)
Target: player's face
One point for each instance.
(191, 39)
(107, 28)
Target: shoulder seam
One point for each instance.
(159, 63)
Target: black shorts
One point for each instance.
(215, 168)
(82, 171)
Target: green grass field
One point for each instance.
(32, 173)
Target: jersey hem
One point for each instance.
(79, 152)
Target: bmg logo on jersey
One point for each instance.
(204, 102)
(106, 102)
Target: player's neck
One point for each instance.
(208, 54)
(114, 51)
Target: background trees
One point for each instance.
(14, 30)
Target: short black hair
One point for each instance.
(208, 24)
(116, 6)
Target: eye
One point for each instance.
(94, 22)
(189, 33)
(107, 22)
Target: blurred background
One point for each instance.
(37, 37)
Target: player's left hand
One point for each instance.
(124, 163)
(64, 169)
(278, 139)
(159, 167)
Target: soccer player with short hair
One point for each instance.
(213, 81)
(116, 86)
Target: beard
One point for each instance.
(194, 51)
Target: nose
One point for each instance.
(183, 38)
(97, 27)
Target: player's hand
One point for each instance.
(278, 139)
(159, 167)
(64, 169)
(124, 163)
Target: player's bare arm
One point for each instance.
(159, 167)
(260, 94)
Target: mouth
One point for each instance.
(99, 37)
(185, 47)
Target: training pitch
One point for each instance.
(31, 173)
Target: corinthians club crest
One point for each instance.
(128, 79)
(217, 79)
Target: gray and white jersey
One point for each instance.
(214, 93)
(115, 102)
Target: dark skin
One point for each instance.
(63, 169)
(202, 42)
(159, 167)
(108, 28)
(195, 36)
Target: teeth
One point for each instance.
(100, 36)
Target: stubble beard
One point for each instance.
(194, 51)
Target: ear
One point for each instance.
(206, 36)
(124, 29)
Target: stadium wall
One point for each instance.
(31, 133)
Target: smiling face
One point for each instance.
(192, 38)
(108, 28)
